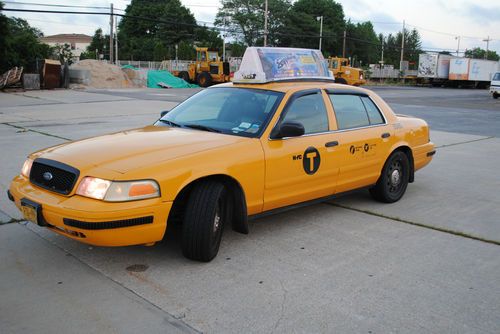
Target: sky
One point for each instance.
(439, 22)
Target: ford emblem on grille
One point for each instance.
(47, 176)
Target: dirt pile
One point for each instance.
(104, 75)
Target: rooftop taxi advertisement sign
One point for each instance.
(263, 64)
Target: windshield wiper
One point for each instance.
(166, 121)
(201, 127)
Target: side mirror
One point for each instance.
(163, 113)
(288, 129)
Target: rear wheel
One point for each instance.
(341, 81)
(393, 181)
(207, 211)
(204, 79)
(184, 76)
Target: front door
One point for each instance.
(301, 168)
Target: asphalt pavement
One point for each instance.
(426, 264)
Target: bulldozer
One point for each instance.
(208, 69)
(344, 73)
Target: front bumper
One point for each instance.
(92, 221)
(494, 89)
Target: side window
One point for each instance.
(310, 111)
(349, 111)
(354, 111)
(372, 110)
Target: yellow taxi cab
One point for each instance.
(283, 133)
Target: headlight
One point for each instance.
(25, 171)
(93, 187)
(117, 191)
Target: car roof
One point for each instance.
(297, 85)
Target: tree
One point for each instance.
(22, 45)
(244, 20)
(362, 42)
(98, 43)
(208, 37)
(479, 53)
(237, 49)
(169, 23)
(412, 47)
(63, 53)
(4, 35)
(302, 28)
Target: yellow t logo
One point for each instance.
(311, 156)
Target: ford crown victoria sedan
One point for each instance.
(229, 152)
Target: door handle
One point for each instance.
(332, 143)
(386, 135)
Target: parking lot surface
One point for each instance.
(428, 263)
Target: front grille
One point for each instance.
(54, 176)
(108, 224)
(214, 69)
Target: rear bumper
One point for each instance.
(92, 221)
(422, 155)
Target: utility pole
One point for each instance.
(402, 43)
(224, 39)
(487, 40)
(265, 23)
(320, 19)
(343, 45)
(382, 58)
(111, 58)
(458, 46)
(116, 41)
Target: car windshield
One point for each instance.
(235, 111)
(496, 77)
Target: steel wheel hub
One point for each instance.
(395, 177)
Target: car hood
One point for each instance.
(128, 150)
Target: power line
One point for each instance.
(53, 5)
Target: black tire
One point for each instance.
(204, 79)
(393, 181)
(341, 81)
(206, 214)
(184, 76)
(495, 95)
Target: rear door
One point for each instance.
(364, 139)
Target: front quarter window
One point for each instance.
(235, 111)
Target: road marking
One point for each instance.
(465, 142)
(36, 131)
(430, 227)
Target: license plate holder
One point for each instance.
(32, 211)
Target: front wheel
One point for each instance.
(184, 76)
(495, 95)
(206, 214)
(393, 181)
(204, 79)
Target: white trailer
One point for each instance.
(472, 72)
(434, 66)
